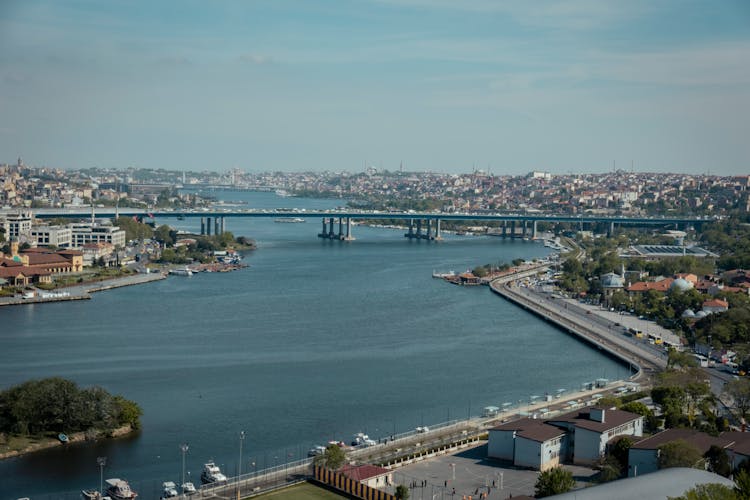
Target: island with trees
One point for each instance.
(34, 415)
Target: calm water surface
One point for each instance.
(317, 340)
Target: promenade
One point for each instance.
(83, 291)
(585, 326)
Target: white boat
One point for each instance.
(181, 272)
(292, 220)
(169, 490)
(92, 495)
(316, 450)
(212, 474)
(119, 489)
(188, 489)
(283, 193)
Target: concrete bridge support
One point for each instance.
(611, 230)
(331, 234)
(505, 229)
(348, 236)
(410, 234)
(512, 229)
(217, 226)
(203, 226)
(525, 235)
(438, 236)
(208, 226)
(419, 229)
(428, 235)
(534, 230)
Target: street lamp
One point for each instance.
(184, 449)
(239, 464)
(101, 462)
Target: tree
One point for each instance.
(332, 458)
(553, 482)
(718, 460)
(679, 453)
(742, 483)
(163, 233)
(708, 491)
(402, 492)
(739, 391)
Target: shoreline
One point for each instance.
(644, 363)
(84, 291)
(77, 437)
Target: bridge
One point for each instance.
(421, 225)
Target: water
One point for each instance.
(317, 340)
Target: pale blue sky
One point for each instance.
(441, 85)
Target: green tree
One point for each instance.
(332, 458)
(553, 482)
(129, 412)
(679, 453)
(742, 483)
(163, 234)
(739, 391)
(402, 492)
(718, 460)
(709, 491)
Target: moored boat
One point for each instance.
(93, 495)
(188, 489)
(181, 272)
(63, 437)
(212, 474)
(119, 489)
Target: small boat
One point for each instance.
(119, 489)
(93, 495)
(293, 220)
(188, 489)
(169, 490)
(63, 438)
(212, 474)
(181, 272)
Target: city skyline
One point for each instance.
(439, 86)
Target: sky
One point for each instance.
(427, 85)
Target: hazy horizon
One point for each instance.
(433, 85)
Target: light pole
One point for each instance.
(453, 472)
(239, 464)
(184, 449)
(101, 462)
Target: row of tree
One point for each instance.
(54, 405)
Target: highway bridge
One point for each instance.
(422, 225)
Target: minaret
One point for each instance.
(93, 216)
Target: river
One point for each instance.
(315, 341)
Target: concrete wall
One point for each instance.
(642, 462)
(501, 444)
(588, 446)
(528, 453)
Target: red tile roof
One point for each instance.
(363, 472)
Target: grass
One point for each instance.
(304, 491)
(19, 443)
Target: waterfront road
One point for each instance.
(589, 327)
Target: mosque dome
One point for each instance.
(681, 285)
(688, 313)
(611, 280)
(701, 314)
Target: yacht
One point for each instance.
(119, 489)
(188, 489)
(93, 495)
(169, 490)
(212, 474)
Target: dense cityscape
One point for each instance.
(374, 250)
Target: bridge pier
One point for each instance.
(217, 226)
(203, 226)
(348, 236)
(208, 226)
(505, 229)
(438, 236)
(611, 229)
(410, 234)
(512, 229)
(534, 230)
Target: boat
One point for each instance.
(212, 474)
(169, 490)
(449, 274)
(292, 220)
(316, 450)
(283, 193)
(188, 489)
(119, 489)
(181, 272)
(63, 438)
(93, 495)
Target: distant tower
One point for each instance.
(19, 163)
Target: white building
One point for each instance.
(580, 437)
(45, 235)
(17, 225)
(87, 232)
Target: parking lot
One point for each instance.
(470, 473)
